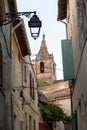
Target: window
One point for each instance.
(32, 94)
(41, 67)
(34, 125)
(21, 125)
(0, 66)
(30, 123)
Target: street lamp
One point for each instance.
(34, 23)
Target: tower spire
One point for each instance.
(44, 37)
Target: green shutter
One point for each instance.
(67, 56)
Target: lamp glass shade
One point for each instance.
(35, 25)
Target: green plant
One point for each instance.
(67, 118)
(41, 83)
(52, 113)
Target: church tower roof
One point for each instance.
(43, 44)
(44, 65)
(43, 52)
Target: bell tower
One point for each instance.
(44, 65)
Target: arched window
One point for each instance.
(41, 67)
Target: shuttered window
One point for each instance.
(67, 56)
(32, 93)
(30, 85)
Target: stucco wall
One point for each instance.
(65, 104)
(31, 105)
(72, 27)
(79, 43)
(6, 79)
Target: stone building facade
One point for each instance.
(59, 93)
(75, 13)
(18, 86)
(44, 65)
(5, 67)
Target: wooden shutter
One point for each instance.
(33, 96)
(67, 56)
(30, 85)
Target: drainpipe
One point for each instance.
(71, 86)
(65, 27)
(17, 25)
(12, 115)
(11, 32)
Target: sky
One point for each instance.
(55, 31)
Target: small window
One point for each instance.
(30, 123)
(34, 125)
(41, 67)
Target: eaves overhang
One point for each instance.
(20, 31)
(12, 5)
(22, 38)
(62, 9)
(42, 98)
